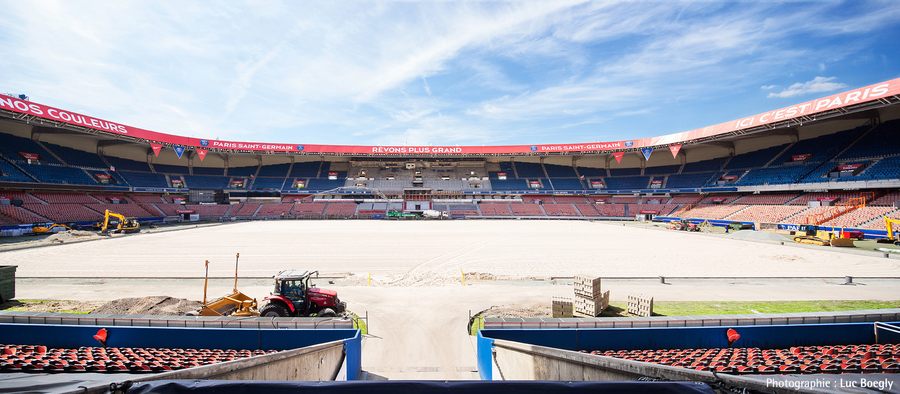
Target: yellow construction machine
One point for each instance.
(889, 224)
(125, 225)
(814, 235)
(45, 228)
(234, 304)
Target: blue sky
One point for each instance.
(438, 73)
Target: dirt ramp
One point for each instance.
(155, 305)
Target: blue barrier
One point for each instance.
(867, 233)
(766, 337)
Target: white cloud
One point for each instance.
(815, 85)
(768, 87)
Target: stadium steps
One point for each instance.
(681, 169)
(51, 152)
(725, 162)
(288, 175)
(853, 143)
(799, 215)
(780, 153)
(737, 212)
(318, 172)
(515, 171)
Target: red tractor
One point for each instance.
(294, 296)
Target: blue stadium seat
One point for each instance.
(170, 169)
(57, 174)
(206, 182)
(263, 183)
(565, 184)
(704, 165)
(756, 158)
(509, 184)
(127, 165)
(144, 179)
(242, 171)
(693, 180)
(11, 145)
(209, 171)
(9, 173)
(662, 170)
(557, 171)
(276, 170)
(775, 175)
(627, 183)
(624, 171)
(591, 171)
(880, 142)
(309, 169)
(75, 157)
(821, 148)
(529, 170)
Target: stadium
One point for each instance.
(501, 250)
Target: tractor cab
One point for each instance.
(293, 295)
(808, 230)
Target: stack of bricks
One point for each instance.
(563, 307)
(590, 300)
(640, 306)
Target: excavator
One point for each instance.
(45, 228)
(889, 224)
(125, 225)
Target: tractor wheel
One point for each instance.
(327, 312)
(273, 310)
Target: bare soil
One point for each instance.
(154, 305)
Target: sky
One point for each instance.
(439, 72)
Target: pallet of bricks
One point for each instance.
(562, 307)
(640, 306)
(590, 300)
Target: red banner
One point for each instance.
(675, 148)
(809, 108)
(850, 166)
(156, 149)
(649, 211)
(801, 157)
(30, 156)
(201, 153)
(597, 184)
(618, 156)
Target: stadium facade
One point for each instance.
(833, 161)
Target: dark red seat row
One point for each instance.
(38, 358)
(877, 358)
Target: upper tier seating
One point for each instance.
(218, 171)
(704, 166)
(775, 175)
(881, 141)
(12, 146)
(242, 171)
(624, 171)
(662, 170)
(529, 170)
(558, 171)
(820, 148)
(756, 158)
(170, 169)
(591, 172)
(127, 165)
(309, 169)
(276, 170)
(694, 180)
(76, 157)
(144, 179)
(626, 183)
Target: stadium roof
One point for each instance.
(866, 98)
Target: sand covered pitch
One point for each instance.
(431, 252)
